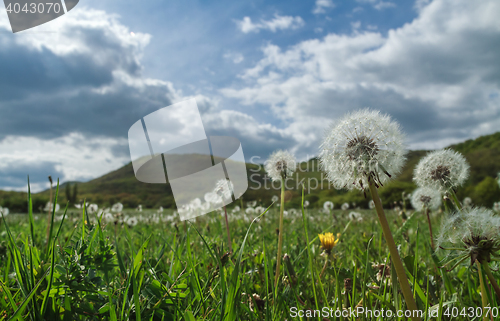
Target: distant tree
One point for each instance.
(68, 192)
(486, 192)
(75, 194)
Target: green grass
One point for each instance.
(93, 270)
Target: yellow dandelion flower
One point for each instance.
(328, 241)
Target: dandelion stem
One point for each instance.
(324, 266)
(228, 232)
(484, 295)
(455, 199)
(493, 282)
(280, 235)
(49, 212)
(396, 260)
(430, 226)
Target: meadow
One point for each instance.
(158, 268)
(296, 256)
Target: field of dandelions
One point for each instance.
(433, 257)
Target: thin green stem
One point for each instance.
(280, 234)
(484, 295)
(430, 227)
(228, 232)
(455, 199)
(493, 282)
(324, 266)
(393, 250)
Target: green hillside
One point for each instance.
(483, 155)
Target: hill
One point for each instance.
(483, 155)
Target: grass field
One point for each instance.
(163, 269)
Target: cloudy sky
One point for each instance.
(272, 73)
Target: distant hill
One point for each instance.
(483, 155)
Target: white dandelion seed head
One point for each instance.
(496, 207)
(250, 211)
(328, 205)
(117, 207)
(91, 209)
(259, 210)
(4, 211)
(274, 198)
(441, 170)
(360, 145)
(236, 209)
(224, 189)
(211, 197)
(251, 203)
(355, 216)
(132, 221)
(139, 208)
(468, 227)
(280, 165)
(48, 207)
(306, 203)
(109, 218)
(345, 206)
(426, 197)
(467, 202)
(205, 206)
(371, 204)
(195, 204)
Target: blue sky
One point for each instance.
(272, 73)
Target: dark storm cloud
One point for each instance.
(93, 86)
(16, 174)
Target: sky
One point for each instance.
(274, 74)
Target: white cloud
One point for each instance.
(72, 157)
(235, 57)
(379, 4)
(438, 75)
(322, 5)
(356, 25)
(384, 4)
(278, 23)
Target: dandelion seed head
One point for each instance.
(363, 144)
(259, 210)
(474, 229)
(250, 211)
(355, 216)
(4, 211)
(441, 170)
(426, 197)
(117, 207)
(91, 209)
(328, 205)
(132, 221)
(280, 165)
(251, 203)
(223, 188)
(345, 206)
